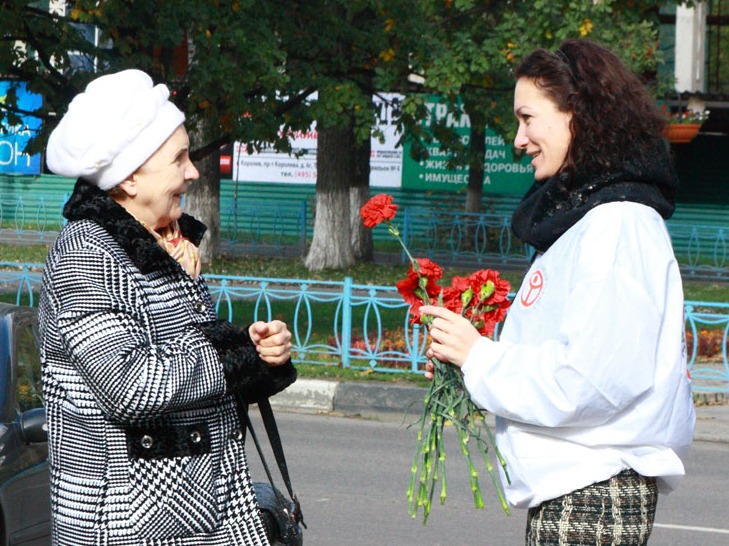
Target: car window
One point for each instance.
(29, 369)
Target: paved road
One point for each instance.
(351, 475)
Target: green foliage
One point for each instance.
(35, 48)
(254, 65)
(258, 72)
(465, 51)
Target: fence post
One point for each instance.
(24, 283)
(346, 321)
(415, 352)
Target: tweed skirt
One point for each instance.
(618, 511)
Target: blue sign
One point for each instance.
(14, 138)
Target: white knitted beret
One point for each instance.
(112, 128)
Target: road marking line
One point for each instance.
(691, 528)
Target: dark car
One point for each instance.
(24, 485)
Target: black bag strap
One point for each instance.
(269, 421)
(274, 438)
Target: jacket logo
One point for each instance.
(533, 290)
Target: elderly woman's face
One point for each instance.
(162, 180)
(544, 132)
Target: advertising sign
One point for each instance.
(268, 165)
(13, 138)
(391, 165)
(502, 173)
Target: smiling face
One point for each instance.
(153, 193)
(544, 132)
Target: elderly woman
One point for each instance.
(588, 380)
(142, 381)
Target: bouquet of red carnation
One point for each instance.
(482, 297)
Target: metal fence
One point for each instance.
(366, 326)
(283, 228)
(701, 250)
(32, 219)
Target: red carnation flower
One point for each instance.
(488, 287)
(378, 209)
(482, 299)
(418, 286)
(429, 269)
(452, 299)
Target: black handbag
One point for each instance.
(281, 515)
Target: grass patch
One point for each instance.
(334, 372)
(10, 297)
(35, 253)
(709, 291)
(377, 274)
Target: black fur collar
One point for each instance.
(88, 202)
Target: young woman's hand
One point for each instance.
(452, 336)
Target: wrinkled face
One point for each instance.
(156, 188)
(544, 132)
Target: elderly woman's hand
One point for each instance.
(272, 341)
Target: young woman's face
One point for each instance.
(544, 132)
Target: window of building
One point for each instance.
(717, 46)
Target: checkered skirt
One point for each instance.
(616, 511)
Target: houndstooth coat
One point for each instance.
(141, 382)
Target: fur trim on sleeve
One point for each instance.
(245, 372)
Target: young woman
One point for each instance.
(142, 381)
(588, 380)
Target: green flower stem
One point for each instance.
(492, 474)
(396, 233)
(472, 472)
(442, 459)
(446, 401)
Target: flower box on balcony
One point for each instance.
(682, 133)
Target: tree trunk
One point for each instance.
(474, 195)
(331, 245)
(203, 196)
(359, 194)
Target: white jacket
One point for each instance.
(589, 375)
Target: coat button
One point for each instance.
(195, 437)
(146, 441)
(237, 434)
(200, 306)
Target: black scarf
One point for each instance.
(552, 206)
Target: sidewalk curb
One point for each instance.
(368, 399)
(365, 398)
(320, 395)
(307, 395)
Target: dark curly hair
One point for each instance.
(613, 115)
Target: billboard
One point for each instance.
(14, 138)
(268, 165)
(390, 164)
(502, 172)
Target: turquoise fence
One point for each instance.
(366, 326)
